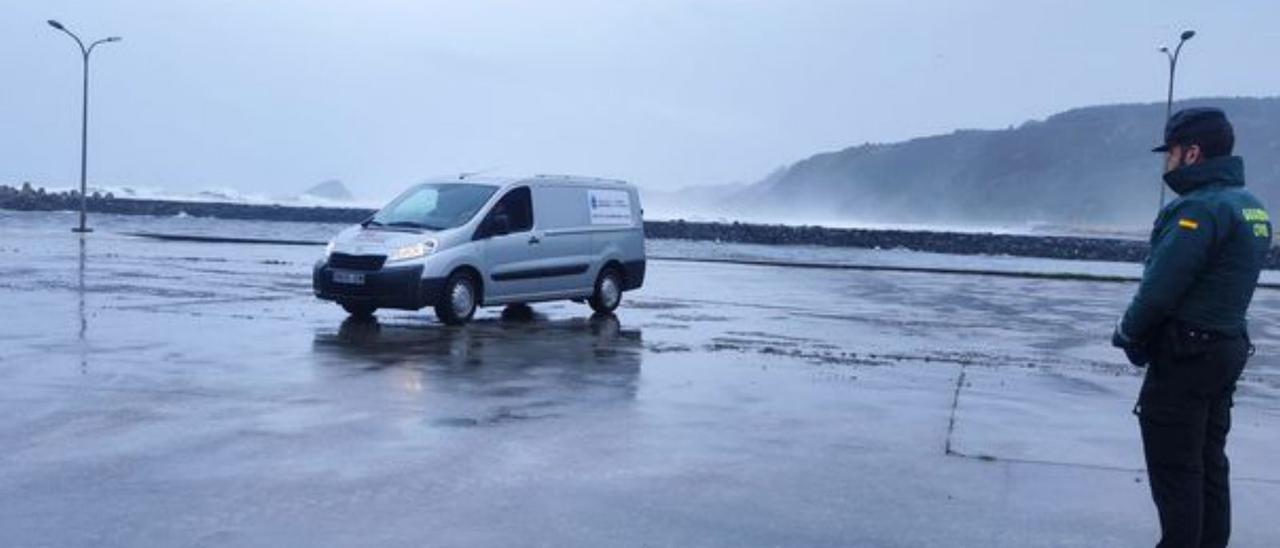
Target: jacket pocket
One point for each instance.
(1189, 344)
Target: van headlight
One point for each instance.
(421, 249)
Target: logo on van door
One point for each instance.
(609, 207)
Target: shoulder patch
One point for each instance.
(1255, 215)
(1188, 224)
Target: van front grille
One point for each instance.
(356, 262)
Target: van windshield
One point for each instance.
(434, 206)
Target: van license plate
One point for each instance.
(349, 278)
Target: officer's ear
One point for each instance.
(1191, 154)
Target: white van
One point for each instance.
(461, 244)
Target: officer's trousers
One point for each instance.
(1184, 410)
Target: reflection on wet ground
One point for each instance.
(559, 363)
(84, 321)
(724, 405)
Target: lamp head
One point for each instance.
(114, 39)
(56, 25)
(1188, 34)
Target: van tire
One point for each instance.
(518, 312)
(359, 310)
(608, 293)
(459, 300)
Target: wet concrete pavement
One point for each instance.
(171, 394)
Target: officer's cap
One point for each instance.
(1194, 125)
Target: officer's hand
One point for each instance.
(1118, 339)
(1133, 350)
(1137, 356)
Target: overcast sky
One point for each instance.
(276, 95)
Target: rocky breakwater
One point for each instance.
(959, 243)
(27, 198)
(955, 243)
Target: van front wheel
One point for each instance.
(457, 304)
(608, 294)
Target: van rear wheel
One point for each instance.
(608, 294)
(359, 310)
(458, 303)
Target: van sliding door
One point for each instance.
(561, 223)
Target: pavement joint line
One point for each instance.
(949, 450)
(955, 404)
(1079, 465)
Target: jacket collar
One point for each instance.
(1226, 171)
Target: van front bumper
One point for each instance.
(389, 287)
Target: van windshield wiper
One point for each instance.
(412, 224)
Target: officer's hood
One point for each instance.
(1226, 171)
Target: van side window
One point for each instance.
(517, 205)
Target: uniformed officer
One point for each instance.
(1188, 321)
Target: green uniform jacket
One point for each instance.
(1207, 249)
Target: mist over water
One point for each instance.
(1084, 171)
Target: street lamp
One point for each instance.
(84, 118)
(1173, 67)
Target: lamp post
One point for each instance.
(1173, 68)
(84, 118)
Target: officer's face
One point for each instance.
(1172, 158)
(1181, 156)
